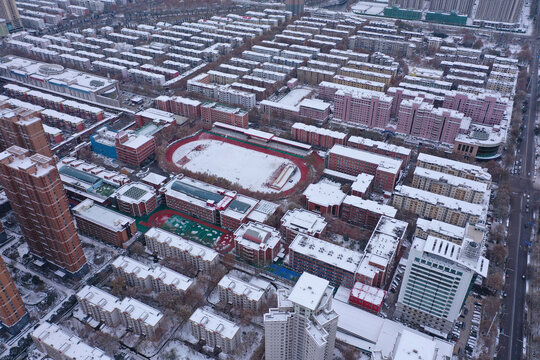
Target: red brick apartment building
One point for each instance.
(363, 212)
(133, 149)
(212, 112)
(22, 127)
(37, 196)
(13, 313)
(301, 221)
(317, 136)
(381, 148)
(104, 224)
(353, 162)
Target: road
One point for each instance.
(511, 339)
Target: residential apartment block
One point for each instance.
(303, 326)
(104, 224)
(381, 148)
(450, 185)
(433, 206)
(324, 197)
(422, 120)
(153, 277)
(240, 293)
(452, 167)
(133, 149)
(215, 330)
(37, 196)
(212, 112)
(324, 259)
(165, 244)
(484, 108)
(363, 107)
(13, 314)
(133, 314)
(58, 344)
(353, 162)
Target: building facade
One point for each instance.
(104, 224)
(13, 314)
(37, 196)
(303, 326)
(257, 243)
(214, 330)
(436, 282)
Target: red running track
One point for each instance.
(302, 166)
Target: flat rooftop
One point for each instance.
(325, 193)
(327, 252)
(384, 162)
(97, 214)
(215, 323)
(303, 221)
(309, 291)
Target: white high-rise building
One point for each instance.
(507, 11)
(303, 326)
(437, 281)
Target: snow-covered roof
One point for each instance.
(140, 311)
(384, 163)
(475, 170)
(440, 228)
(156, 272)
(172, 240)
(214, 323)
(319, 130)
(327, 252)
(324, 193)
(154, 179)
(102, 216)
(370, 294)
(158, 115)
(380, 145)
(377, 335)
(440, 200)
(257, 236)
(303, 221)
(362, 182)
(99, 298)
(309, 290)
(241, 288)
(453, 180)
(68, 345)
(134, 193)
(370, 205)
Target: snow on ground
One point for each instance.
(180, 351)
(249, 168)
(22, 249)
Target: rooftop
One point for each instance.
(241, 287)
(257, 236)
(303, 221)
(384, 162)
(134, 193)
(309, 291)
(327, 252)
(157, 272)
(215, 323)
(191, 247)
(475, 170)
(70, 346)
(325, 193)
(370, 205)
(101, 215)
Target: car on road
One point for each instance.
(523, 277)
(505, 294)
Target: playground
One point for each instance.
(253, 167)
(207, 234)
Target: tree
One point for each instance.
(497, 254)
(118, 286)
(137, 249)
(478, 44)
(495, 280)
